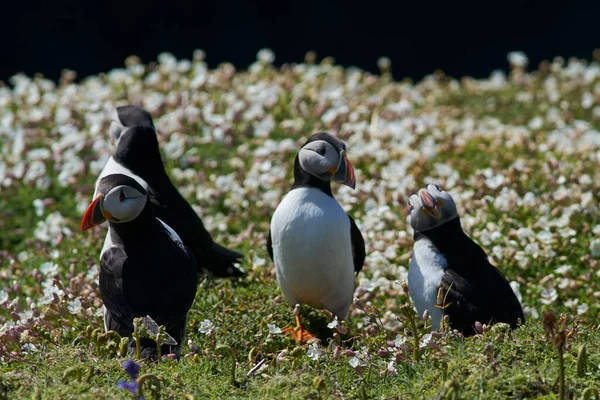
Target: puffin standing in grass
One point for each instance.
(145, 269)
(137, 155)
(445, 259)
(316, 247)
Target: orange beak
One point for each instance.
(431, 206)
(93, 215)
(350, 178)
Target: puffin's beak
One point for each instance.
(94, 215)
(431, 206)
(344, 173)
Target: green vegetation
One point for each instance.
(520, 155)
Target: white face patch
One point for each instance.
(124, 203)
(422, 218)
(319, 158)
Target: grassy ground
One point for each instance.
(519, 153)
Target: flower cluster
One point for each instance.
(526, 187)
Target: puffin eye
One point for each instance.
(437, 187)
(321, 151)
(122, 196)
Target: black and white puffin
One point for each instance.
(316, 247)
(145, 269)
(445, 258)
(137, 155)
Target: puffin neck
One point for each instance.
(302, 179)
(132, 233)
(452, 242)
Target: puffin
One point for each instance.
(315, 245)
(145, 268)
(447, 264)
(137, 155)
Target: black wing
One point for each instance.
(358, 246)
(112, 292)
(488, 299)
(180, 216)
(270, 245)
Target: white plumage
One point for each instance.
(312, 251)
(425, 273)
(113, 167)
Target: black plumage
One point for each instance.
(474, 289)
(145, 271)
(138, 150)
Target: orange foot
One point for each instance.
(298, 333)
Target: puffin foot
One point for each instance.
(298, 333)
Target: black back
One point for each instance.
(474, 288)
(138, 150)
(147, 273)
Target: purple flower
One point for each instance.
(131, 368)
(131, 386)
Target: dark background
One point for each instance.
(419, 36)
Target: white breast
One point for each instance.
(425, 275)
(113, 167)
(312, 251)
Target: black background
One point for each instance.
(419, 37)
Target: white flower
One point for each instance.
(518, 59)
(258, 261)
(206, 327)
(384, 63)
(563, 269)
(28, 347)
(49, 268)
(333, 324)
(273, 329)
(425, 340)
(549, 296)
(399, 340)
(39, 206)
(354, 362)
(74, 306)
(265, 56)
(3, 297)
(314, 352)
(494, 181)
(582, 308)
(587, 100)
(532, 249)
(391, 369)
(52, 229)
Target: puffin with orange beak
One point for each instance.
(448, 265)
(137, 154)
(316, 247)
(145, 269)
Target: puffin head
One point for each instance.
(120, 199)
(430, 207)
(126, 117)
(324, 156)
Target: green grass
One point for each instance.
(469, 136)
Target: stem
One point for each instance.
(416, 351)
(561, 374)
(232, 378)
